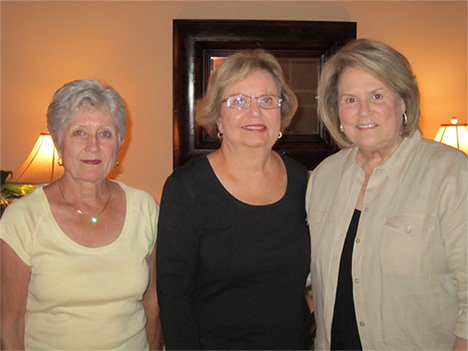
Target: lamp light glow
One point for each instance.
(454, 134)
(41, 166)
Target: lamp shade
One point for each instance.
(41, 165)
(454, 134)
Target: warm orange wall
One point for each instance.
(129, 44)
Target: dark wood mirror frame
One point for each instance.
(197, 41)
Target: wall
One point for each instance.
(129, 45)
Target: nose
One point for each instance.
(255, 109)
(364, 107)
(93, 143)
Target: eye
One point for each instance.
(238, 100)
(350, 100)
(377, 96)
(78, 132)
(106, 134)
(266, 100)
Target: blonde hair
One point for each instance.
(382, 62)
(234, 69)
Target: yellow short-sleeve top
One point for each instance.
(81, 297)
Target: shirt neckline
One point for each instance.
(58, 230)
(235, 199)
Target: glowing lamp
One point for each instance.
(41, 166)
(454, 134)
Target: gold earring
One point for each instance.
(117, 163)
(60, 161)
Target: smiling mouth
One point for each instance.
(366, 126)
(260, 128)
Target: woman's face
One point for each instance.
(254, 127)
(370, 112)
(89, 144)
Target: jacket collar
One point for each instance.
(397, 162)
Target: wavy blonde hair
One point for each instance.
(231, 71)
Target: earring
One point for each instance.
(405, 118)
(341, 128)
(60, 161)
(117, 163)
(280, 135)
(220, 135)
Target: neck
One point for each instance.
(87, 201)
(83, 191)
(247, 160)
(371, 159)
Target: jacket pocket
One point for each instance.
(407, 244)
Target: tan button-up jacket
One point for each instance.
(409, 262)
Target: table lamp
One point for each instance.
(41, 166)
(454, 134)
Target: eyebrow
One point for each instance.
(264, 94)
(376, 90)
(369, 92)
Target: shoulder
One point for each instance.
(138, 197)
(323, 180)
(334, 165)
(190, 176)
(21, 221)
(135, 192)
(440, 154)
(31, 205)
(294, 168)
(440, 164)
(195, 167)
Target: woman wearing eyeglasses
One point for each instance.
(233, 244)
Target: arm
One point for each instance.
(150, 303)
(454, 230)
(308, 297)
(176, 257)
(15, 276)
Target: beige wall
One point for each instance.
(129, 44)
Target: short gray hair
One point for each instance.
(75, 96)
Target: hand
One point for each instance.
(460, 344)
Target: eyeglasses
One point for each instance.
(242, 102)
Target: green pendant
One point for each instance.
(94, 219)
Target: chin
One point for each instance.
(95, 177)
(260, 145)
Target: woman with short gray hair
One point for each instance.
(78, 255)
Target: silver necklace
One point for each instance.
(93, 219)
